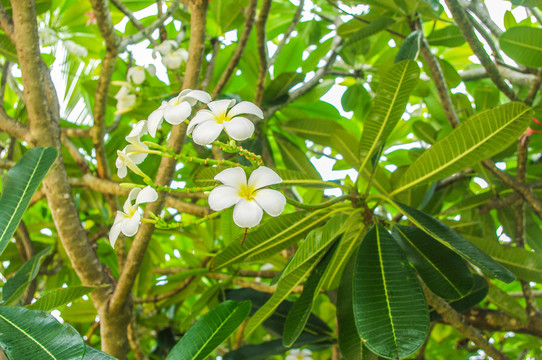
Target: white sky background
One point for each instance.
(142, 56)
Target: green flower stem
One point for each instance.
(316, 206)
(161, 223)
(167, 152)
(255, 160)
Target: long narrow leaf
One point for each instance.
(479, 137)
(390, 310)
(451, 239)
(59, 297)
(389, 104)
(210, 331)
(29, 335)
(19, 186)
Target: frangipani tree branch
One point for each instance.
(262, 50)
(146, 33)
(477, 47)
(12, 127)
(243, 39)
(198, 12)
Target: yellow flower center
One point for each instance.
(246, 192)
(222, 117)
(300, 357)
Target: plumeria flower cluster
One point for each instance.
(172, 56)
(297, 354)
(128, 220)
(249, 198)
(137, 74)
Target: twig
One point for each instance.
(211, 65)
(74, 152)
(534, 89)
(5, 71)
(134, 342)
(457, 320)
(536, 14)
(513, 75)
(438, 77)
(139, 26)
(132, 39)
(6, 23)
(12, 127)
(465, 26)
(482, 13)
(239, 49)
(524, 190)
(288, 33)
(262, 50)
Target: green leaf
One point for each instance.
(16, 285)
(29, 335)
(94, 354)
(526, 265)
(210, 331)
(410, 47)
(441, 269)
(350, 343)
(7, 49)
(318, 130)
(294, 158)
(451, 239)
(347, 145)
(374, 27)
(424, 131)
(284, 287)
(308, 254)
(302, 308)
(390, 310)
(278, 88)
(346, 246)
(449, 36)
(356, 97)
(478, 293)
(523, 44)
(527, 3)
(270, 237)
(388, 106)
(506, 303)
(479, 137)
(59, 297)
(20, 183)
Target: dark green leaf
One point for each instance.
(210, 331)
(30, 335)
(410, 47)
(19, 186)
(59, 297)
(442, 270)
(523, 44)
(478, 293)
(449, 36)
(389, 305)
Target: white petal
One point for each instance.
(234, 177)
(177, 114)
(263, 176)
(199, 95)
(131, 197)
(246, 107)
(223, 197)
(206, 132)
(183, 54)
(201, 116)
(129, 226)
(239, 128)
(114, 234)
(172, 61)
(135, 154)
(138, 130)
(291, 357)
(155, 119)
(306, 352)
(220, 106)
(184, 92)
(148, 194)
(271, 201)
(122, 171)
(247, 214)
(136, 74)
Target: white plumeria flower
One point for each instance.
(136, 74)
(207, 124)
(136, 151)
(174, 59)
(297, 354)
(176, 110)
(166, 47)
(127, 221)
(76, 49)
(125, 100)
(250, 198)
(48, 36)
